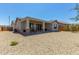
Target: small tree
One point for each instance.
(76, 18)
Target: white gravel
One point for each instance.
(54, 43)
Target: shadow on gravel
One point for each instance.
(32, 33)
(75, 31)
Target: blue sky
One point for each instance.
(46, 11)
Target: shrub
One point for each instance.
(13, 43)
(74, 28)
(66, 28)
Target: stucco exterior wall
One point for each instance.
(24, 24)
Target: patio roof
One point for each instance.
(32, 18)
(41, 20)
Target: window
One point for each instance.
(55, 26)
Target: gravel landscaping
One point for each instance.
(53, 43)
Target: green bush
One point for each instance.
(67, 28)
(74, 28)
(13, 43)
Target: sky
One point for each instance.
(46, 11)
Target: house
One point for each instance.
(29, 24)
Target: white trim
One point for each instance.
(53, 25)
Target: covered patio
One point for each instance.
(30, 25)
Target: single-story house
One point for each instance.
(29, 24)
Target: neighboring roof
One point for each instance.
(59, 22)
(4, 26)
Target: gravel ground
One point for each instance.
(54, 43)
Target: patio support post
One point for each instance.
(27, 26)
(43, 26)
(35, 27)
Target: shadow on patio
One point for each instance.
(34, 33)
